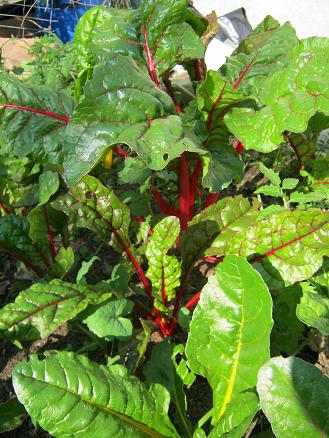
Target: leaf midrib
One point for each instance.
(150, 432)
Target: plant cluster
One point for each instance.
(212, 279)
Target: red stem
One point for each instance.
(65, 119)
(238, 146)
(163, 288)
(294, 148)
(165, 208)
(244, 72)
(193, 301)
(50, 235)
(184, 195)
(121, 152)
(194, 186)
(4, 208)
(150, 62)
(211, 199)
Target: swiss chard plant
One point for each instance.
(207, 205)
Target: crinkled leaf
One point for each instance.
(288, 330)
(15, 240)
(11, 415)
(228, 216)
(38, 219)
(313, 308)
(103, 32)
(164, 271)
(108, 321)
(129, 108)
(237, 417)
(221, 164)
(294, 242)
(67, 394)
(230, 331)
(265, 51)
(24, 133)
(289, 99)
(170, 39)
(40, 309)
(91, 205)
(303, 391)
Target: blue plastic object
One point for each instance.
(62, 16)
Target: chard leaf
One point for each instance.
(63, 263)
(221, 164)
(230, 332)
(48, 185)
(313, 308)
(226, 218)
(289, 98)
(294, 242)
(40, 309)
(25, 133)
(68, 394)
(129, 109)
(108, 321)
(91, 205)
(237, 417)
(303, 391)
(103, 32)
(15, 240)
(160, 369)
(171, 41)
(265, 51)
(164, 271)
(11, 415)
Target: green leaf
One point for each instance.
(237, 417)
(15, 240)
(134, 171)
(103, 32)
(164, 271)
(67, 394)
(289, 183)
(289, 98)
(24, 133)
(230, 331)
(64, 262)
(272, 176)
(108, 321)
(91, 205)
(313, 308)
(270, 190)
(84, 269)
(294, 242)
(130, 109)
(11, 415)
(269, 211)
(318, 195)
(221, 164)
(171, 40)
(265, 51)
(303, 391)
(225, 218)
(288, 330)
(160, 369)
(48, 185)
(40, 309)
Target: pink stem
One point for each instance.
(65, 119)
